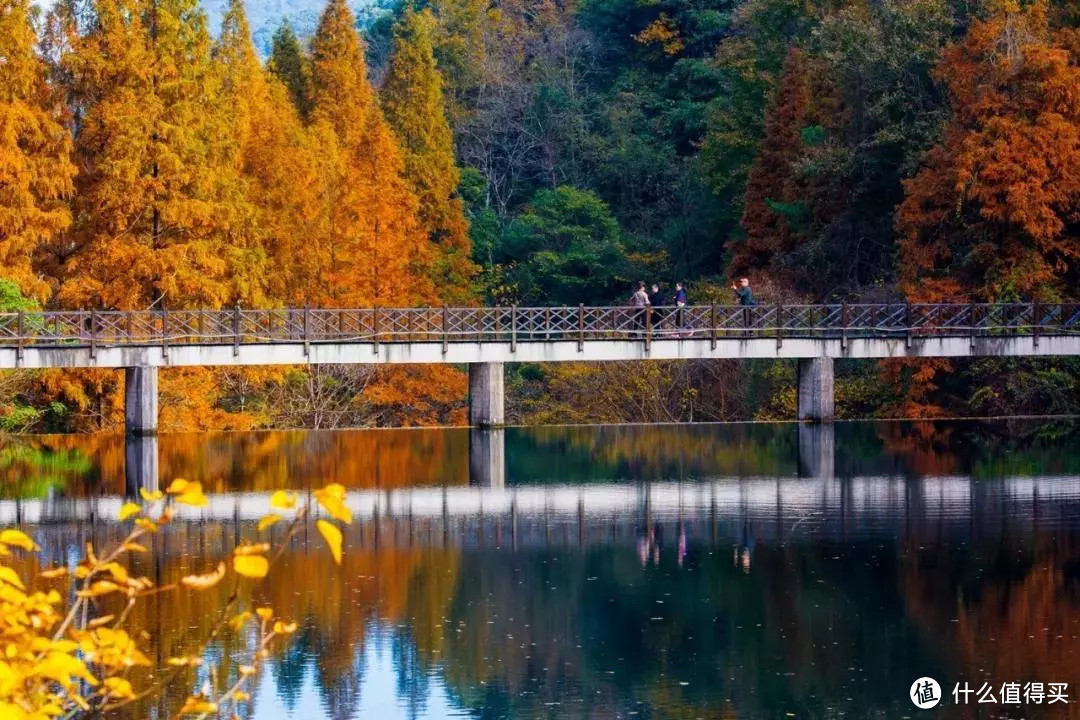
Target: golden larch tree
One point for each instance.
(378, 250)
(155, 192)
(412, 99)
(35, 154)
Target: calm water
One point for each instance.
(645, 572)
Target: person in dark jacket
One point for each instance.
(744, 293)
(680, 303)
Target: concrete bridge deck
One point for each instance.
(485, 338)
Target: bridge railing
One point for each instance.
(531, 324)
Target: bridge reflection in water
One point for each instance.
(487, 508)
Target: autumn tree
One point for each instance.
(413, 102)
(35, 165)
(379, 252)
(995, 210)
(155, 193)
(771, 205)
(291, 66)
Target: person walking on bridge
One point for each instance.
(640, 302)
(680, 303)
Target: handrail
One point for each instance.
(235, 326)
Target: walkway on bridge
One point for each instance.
(485, 338)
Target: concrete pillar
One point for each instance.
(817, 450)
(140, 463)
(815, 380)
(487, 458)
(140, 400)
(486, 395)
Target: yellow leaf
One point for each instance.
(267, 521)
(147, 524)
(241, 696)
(246, 670)
(193, 495)
(184, 661)
(252, 566)
(11, 577)
(62, 667)
(332, 536)
(55, 572)
(150, 496)
(203, 582)
(118, 572)
(264, 613)
(101, 587)
(198, 706)
(284, 628)
(128, 510)
(18, 539)
(178, 486)
(332, 499)
(119, 688)
(283, 500)
(246, 548)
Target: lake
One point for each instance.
(703, 571)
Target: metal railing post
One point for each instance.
(907, 325)
(19, 330)
(779, 325)
(307, 331)
(513, 328)
(547, 323)
(843, 325)
(648, 328)
(1035, 311)
(974, 324)
(445, 337)
(93, 334)
(236, 330)
(712, 327)
(581, 327)
(375, 330)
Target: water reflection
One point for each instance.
(747, 572)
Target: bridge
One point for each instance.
(486, 338)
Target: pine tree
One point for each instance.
(35, 165)
(413, 102)
(155, 196)
(379, 250)
(771, 186)
(289, 64)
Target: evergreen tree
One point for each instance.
(288, 62)
(35, 164)
(379, 251)
(154, 193)
(413, 101)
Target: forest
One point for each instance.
(538, 152)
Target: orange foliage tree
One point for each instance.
(771, 186)
(995, 211)
(35, 164)
(377, 248)
(155, 194)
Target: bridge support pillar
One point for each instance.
(815, 391)
(486, 395)
(141, 400)
(487, 458)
